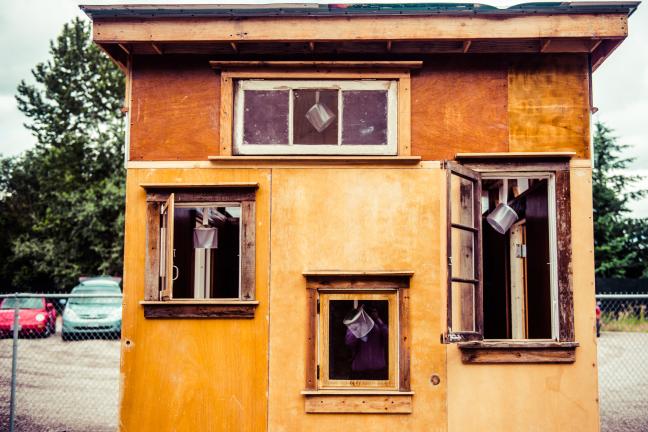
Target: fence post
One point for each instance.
(14, 359)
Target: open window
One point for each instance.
(201, 251)
(315, 117)
(509, 284)
(358, 343)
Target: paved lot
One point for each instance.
(623, 381)
(62, 386)
(73, 386)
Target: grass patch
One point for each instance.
(625, 321)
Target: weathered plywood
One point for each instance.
(192, 374)
(559, 397)
(332, 219)
(175, 110)
(358, 404)
(549, 104)
(401, 28)
(459, 106)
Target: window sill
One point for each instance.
(317, 160)
(493, 352)
(199, 309)
(357, 402)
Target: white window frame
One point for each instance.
(391, 148)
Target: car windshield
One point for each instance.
(90, 301)
(23, 303)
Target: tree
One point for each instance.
(619, 241)
(62, 202)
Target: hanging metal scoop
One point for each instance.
(319, 115)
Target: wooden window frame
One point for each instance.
(396, 398)
(562, 348)
(390, 72)
(158, 299)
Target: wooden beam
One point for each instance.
(156, 48)
(466, 45)
(124, 48)
(603, 51)
(360, 28)
(595, 44)
(234, 47)
(318, 64)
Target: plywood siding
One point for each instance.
(538, 397)
(192, 374)
(459, 105)
(549, 104)
(333, 219)
(174, 110)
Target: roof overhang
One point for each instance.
(292, 29)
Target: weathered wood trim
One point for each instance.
(226, 122)
(564, 251)
(248, 250)
(152, 275)
(498, 165)
(357, 282)
(311, 341)
(190, 309)
(221, 194)
(154, 186)
(488, 352)
(359, 28)
(404, 121)
(404, 344)
(317, 160)
(358, 404)
(317, 64)
(515, 155)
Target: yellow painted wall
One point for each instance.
(501, 398)
(187, 374)
(356, 219)
(247, 375)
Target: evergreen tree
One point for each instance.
(619, 240)
(61, 203)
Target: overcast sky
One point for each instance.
(26, 27)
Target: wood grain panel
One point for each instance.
(358, 404)
(175, 109)
(459, 105)
(549, 104)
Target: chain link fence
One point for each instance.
(59, 362)
(623, 361)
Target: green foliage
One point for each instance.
(620, 241)
(62, 202)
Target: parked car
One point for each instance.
(36, 316)
(93, 316)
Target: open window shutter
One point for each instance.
(166, 258)
(465, 307)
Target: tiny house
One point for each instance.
(359, 217)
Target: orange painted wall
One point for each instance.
(458, 104)
(187, 374)
(174, 109)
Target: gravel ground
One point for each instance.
(73, 386)
(623, 381)
(62, 386)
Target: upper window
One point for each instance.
(506, 256)
(302, 117)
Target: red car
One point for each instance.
(36, 316)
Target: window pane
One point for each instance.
(461, 201)
(463, 262)
(206, 260)
(315, 118)
(265, 120)
(364, 117)
(358, 340)
(463, 307)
